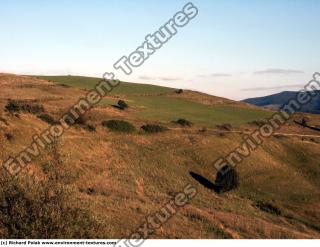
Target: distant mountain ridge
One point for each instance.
(275, 101)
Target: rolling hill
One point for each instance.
(275, 101)
(151, 102)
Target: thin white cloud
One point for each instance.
(169, 78)
(278, 72)
(273, 88)
(216, 75)
(162, 78)
(144, 77)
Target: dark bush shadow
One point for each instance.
(118, 107)
(204, 182)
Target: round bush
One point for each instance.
(119, 126)
(153, 128)
(184, 122)
(227, 179)
(122, 104)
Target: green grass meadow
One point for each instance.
(124, 88)
(164, 108)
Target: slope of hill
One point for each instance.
(125, 88)
(122, 178)
(275, 101)
(152, 102)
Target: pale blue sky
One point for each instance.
(219, 52)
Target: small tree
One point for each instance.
(227, 179)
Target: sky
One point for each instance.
(233, 48)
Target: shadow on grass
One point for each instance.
(304, 125)
(204, 182)
(118, 107)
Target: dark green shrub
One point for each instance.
(153, 128)
(184, 122)
(227, 179)
(23, 106)
(9, 136)
(219, 232)
(81, 120)
(69, 119)
(64, 85)
(119, 126)
(33, 108)
(178, 91)
(48, 119)
(226, 127)
(221, 134)
(304, 122)
(12, 106)
(89, 127)
(91, 191)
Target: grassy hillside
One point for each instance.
(157, 103)
(109, 179)
(90, 82)
(168, 108)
